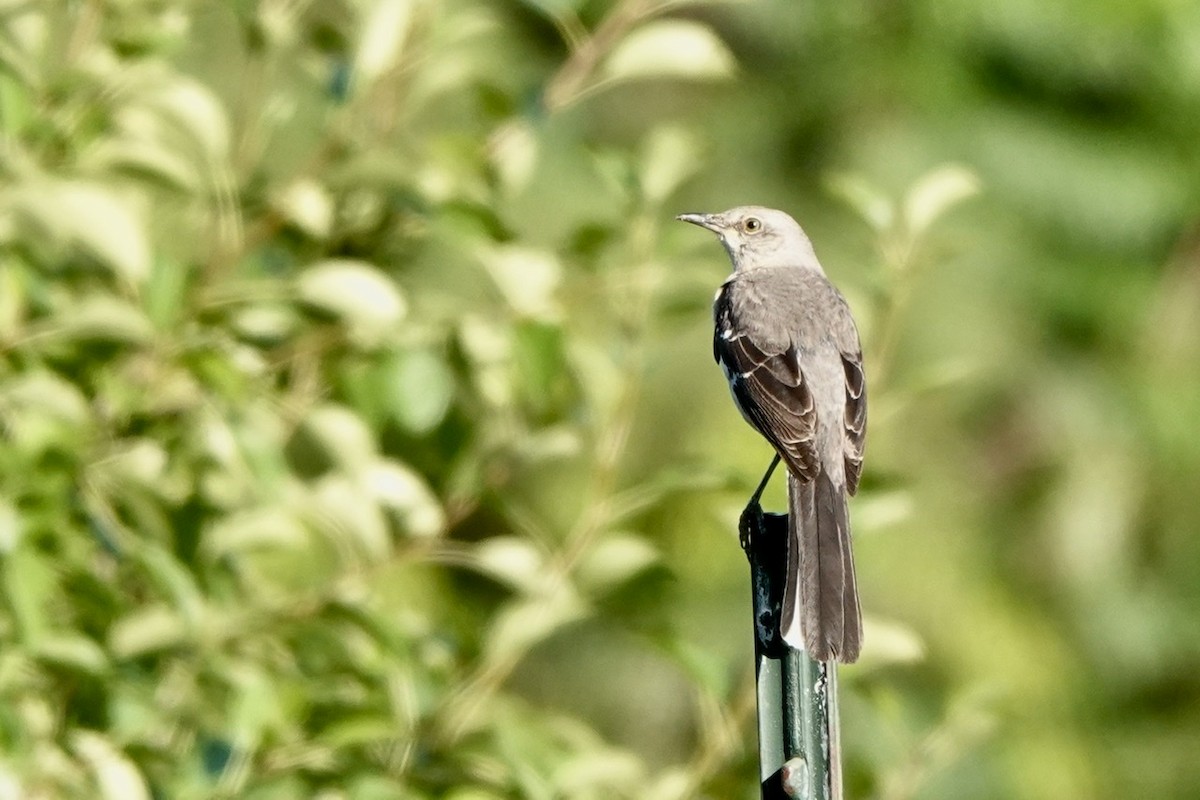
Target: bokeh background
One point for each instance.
(360, 437)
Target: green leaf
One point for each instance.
(165, 297)
(616, 560)
(193, 110)
(890, 642)
(877, 510)
(513, 150)
(344, 508)
(307, 205)
(420, 387)
(45, 412)
(141, 155)
(384, 29)
(104, 318)
(255, 529)
(73, 651)
(542, 375)
(115, 774)
(257, 708)
(528, 278)
(11, 527)
(147, 629)
(670, 48)
(512, 561)
(670, 156)
(867, 200)
(406, 494)
(92, 218)
(523, 623)
(29, 584)
(333, 436)
(365, 300)
(139, 461)
(936, 193)
(13, 302)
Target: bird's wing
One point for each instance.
(855, 417)
(769, 387)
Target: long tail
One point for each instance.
(820, 596)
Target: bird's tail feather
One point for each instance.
(820, 601)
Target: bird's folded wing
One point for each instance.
(855, 418)
(771, 391)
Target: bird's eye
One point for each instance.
(752, 225)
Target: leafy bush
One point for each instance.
(359, 435)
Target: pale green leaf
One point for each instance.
(144, 156)
(11, 526)
(528, 278)
(105, 318)
(877, 510)
(116, 775)
(616, 560)
(867, 200)
(268, 527)
(306, 204)
(381, 41)
(141, 461)
(257, 708)
(13, 305)
(420, 388)
(523, 623)
(890, 642)
(342, 436)
(25, 35)
(193, 108)
(345, 509)
(488, 347)
(670, 48)
(265, 323)
(30, 580)
(92, 218)
(407, 496)
(595, 770)
(514, 149)
(49, 396)
(670, 156)
(512, 561)
(72, 651)
(147, 629)
(365, 300)
(936, 193)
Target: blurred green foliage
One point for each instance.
(359, 436)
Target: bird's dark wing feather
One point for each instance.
(769, 386)
(855, 418)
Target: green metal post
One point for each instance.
(799, 749)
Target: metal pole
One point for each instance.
(798, 745)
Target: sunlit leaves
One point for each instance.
(115, 774)
(670, 48)
(528, 279)
(616, 560)
(363, 299)
(406, 496)
(381, 42)
(81, 218)
(936, 193)
(420, 387)
(671, 155)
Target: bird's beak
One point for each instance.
(709, 221)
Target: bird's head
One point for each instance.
(755, 236)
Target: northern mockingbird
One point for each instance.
(789, 348)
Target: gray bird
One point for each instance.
(790, 350)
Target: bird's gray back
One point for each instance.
(783, 307)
